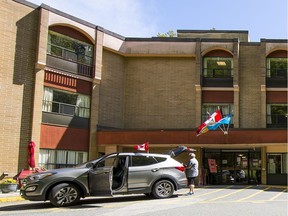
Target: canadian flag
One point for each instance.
(143, 147)
(215, 117)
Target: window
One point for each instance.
(218, 67)
(52, 159)
(66, 103)
(226, 109)
(69, 48)
(143, 160)
(277, 67)
(277, 163)
(277, 115)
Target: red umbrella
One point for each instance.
(31, 159)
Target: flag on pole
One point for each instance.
(225, 120)
(143, 147)
(215, 117)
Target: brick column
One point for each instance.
(198, 89)
(236, 107)
(98, 53)
(263, 106)
(39, 79)
(236, 83)
(263, 166)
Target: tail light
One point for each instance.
(180, 168)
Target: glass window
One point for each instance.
(218, 67)
(277, 67)
(277, 115)
(226, 109)
(107, 161)
(143, 160)
(277, 163)
(160, 159)
(67, 103)
(51, 159)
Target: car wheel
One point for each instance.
(64, 194)
(163, 189)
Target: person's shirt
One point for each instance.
(192, 168)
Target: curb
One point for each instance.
(11, 199)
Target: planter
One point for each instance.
(6, 188)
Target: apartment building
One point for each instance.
(79, 91)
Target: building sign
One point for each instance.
(212, 165)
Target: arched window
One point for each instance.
(276, 69)
(217, 69)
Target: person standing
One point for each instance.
(191, 172)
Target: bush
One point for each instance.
(8, 181)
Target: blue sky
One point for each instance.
(146, 18)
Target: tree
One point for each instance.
(170, 33)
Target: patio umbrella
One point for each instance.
(31, 159)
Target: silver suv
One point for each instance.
(158, 175)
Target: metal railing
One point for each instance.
(67, 60)
(277, 121)
(65, 109)
(217, 73)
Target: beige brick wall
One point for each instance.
(250, 81)
(18, 36)
(159, 93)
(111, 91)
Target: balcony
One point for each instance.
(217, 78)
(276, 121)
(65, 114)
(65, 60)
(276, 78)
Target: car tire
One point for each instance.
(163, 189)
(64, 194)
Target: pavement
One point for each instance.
(10, 197)
(15, 196)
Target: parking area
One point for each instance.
(239, 193)
(220, 200)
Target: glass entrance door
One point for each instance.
(233, 166)
(227, 168)
(241, 168)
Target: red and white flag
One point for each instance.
(143, 147)
(215, 117)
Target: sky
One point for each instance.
(264, 19)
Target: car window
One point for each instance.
(160, 159)
(108, 161)
(143, 160)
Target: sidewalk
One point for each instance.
(10, 197)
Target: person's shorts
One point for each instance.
(190, 180)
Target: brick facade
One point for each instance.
(140, 88)
(18, 35)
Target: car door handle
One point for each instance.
(155, 170)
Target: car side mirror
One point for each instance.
(89, 165)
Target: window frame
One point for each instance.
(220, 68)
(269, 69)
(204, 114)
(49, 104)
(51, 158)
(283, 169)
(76, 50)
(269, 115)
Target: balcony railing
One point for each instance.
(65, 109)
(66, 60)
(276, 121)
(276, 78)
(217, 77)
